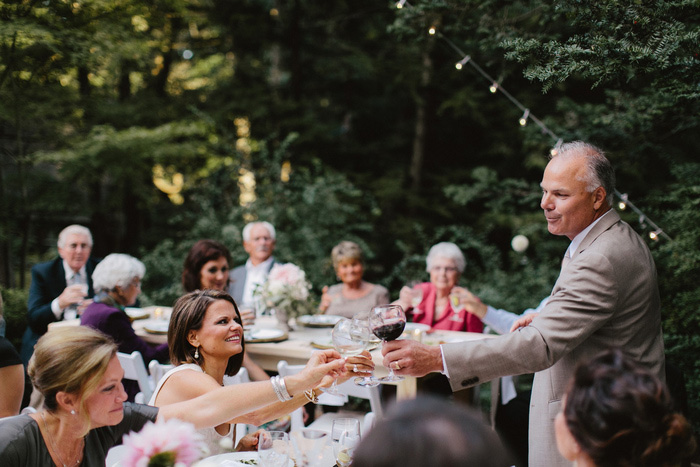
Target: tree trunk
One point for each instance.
(418, 155)
(295, 48)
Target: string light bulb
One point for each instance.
(555, 150)
(655, 234)
(623, 202)
(523, 119)
(462, 62)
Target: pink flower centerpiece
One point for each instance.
(164, 443)
(286, 291)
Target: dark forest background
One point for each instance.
(153, 123)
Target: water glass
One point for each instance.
(273, 449)
(345, 436)
(309, 446)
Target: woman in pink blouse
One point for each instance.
(445, 263)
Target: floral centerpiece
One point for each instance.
(286, 291)
(164, 444)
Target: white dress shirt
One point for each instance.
(254, 276)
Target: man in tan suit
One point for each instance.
(606, 296)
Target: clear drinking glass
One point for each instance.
(273, 449)
(457, 306)
(388, 322)
(309, 446)
(347, 340)
(345, 436)
(364, 331)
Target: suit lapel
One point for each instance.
(610, 219)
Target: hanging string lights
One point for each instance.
(495, 87)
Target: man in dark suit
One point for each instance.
(606, 295)
(59, 284)
(259, 243)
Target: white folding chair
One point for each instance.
(349, 388)
(240, 377)
(157, 370)
(135, 369)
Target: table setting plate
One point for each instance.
(318, 321)
(136, 313)
(258, 335)
(156, 327)
(233, 459)
(417, 326)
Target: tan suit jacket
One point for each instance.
(607, 296)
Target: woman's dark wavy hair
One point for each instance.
(188, 314)
(620, 414)
(200, 253)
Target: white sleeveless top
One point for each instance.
(210, 435)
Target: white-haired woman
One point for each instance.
(117, 283)
(445, 263)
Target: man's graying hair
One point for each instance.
(600, 171)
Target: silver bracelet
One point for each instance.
(283, 386)
(278, 387)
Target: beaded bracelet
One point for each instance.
(311, 396)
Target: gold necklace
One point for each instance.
(53, 446)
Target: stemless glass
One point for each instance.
(309, 446)
(388, 322)
(457, 306)
(362, 329)
(345, 435)
(273, 449)
(348, 341)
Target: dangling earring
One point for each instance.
(196, 353)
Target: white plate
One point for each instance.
(136, 313)
(232, 459)
(414, 326)
(319, 321)
(265, 334)
(156, 327)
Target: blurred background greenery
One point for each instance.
(159, 123)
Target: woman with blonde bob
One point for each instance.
(77, 371)
(353, 294)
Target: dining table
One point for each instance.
(268, 342)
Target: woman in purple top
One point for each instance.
(117, 283)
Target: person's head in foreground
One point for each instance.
(616, 413)
(427, 431)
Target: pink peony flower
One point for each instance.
(163, 443)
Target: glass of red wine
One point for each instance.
(387, 323)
